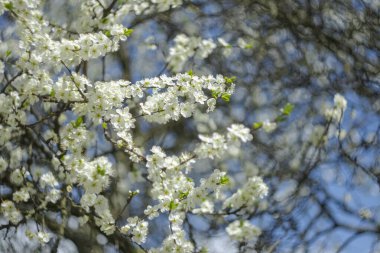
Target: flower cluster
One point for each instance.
(239, 132)
(10, 212)
(177, 96)
(41, 236)
(146, 7)
(22, 195)
(242, 230)
(269, 126)
(169, 182)
(336, 113)
(216, 144)
(187, 47)
(137, 228)
(248, 195)
(175, 242)
(194, 48)
(54, 115)
(94, 175)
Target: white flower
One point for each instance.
(43, 237)
(49, 180)
(223, 42)
(237, 131)
(104, 217)
(151, 212)
(53, 195)
(365, 213)
(88, 200)
(269, 126)
(247, 195)
(187, 109)
(242, 230)
(175, 242)
(137, 228)
(157, 159)
(10, 212)
(21, 196)
(176, 219)
(340, 102)
(211, 104)
(211, 146)
(206, 207)
(122, 119)
(186, 47)
(335, 113)
(17, 177)
(242, 43)
(205, 48)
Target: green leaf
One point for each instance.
(78, 122)
(230, 80)
(190, 72)
(134, 193)
(107, 33)
(280, 118)
(128, 32)
(172, 205)
(226, 97)
(104, 125)
(8, 6)
(215, 94)
(52, 93)
(8, 53)
(257, 125)
(101, 170)
(183, 195)
(224, 180)
(288, 108)
(248, 46)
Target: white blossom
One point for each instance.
(186, 47)
(91, 112)
(336, 113)
(269, 126)
(137, 228)
(8, 209)
(43, 237)
(239, 132)
(253, 190)
(242, 230)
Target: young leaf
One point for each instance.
(78, 122)
(288, 108)
(224, 180)
(172, 205)
(230, 80)
(128, 32)
(226, 97)
(8, 6)
(257, 125)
